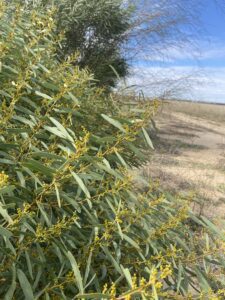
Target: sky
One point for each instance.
(194, 71)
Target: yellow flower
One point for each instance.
(153, 276)
(105, 288)
(3, 179)
(113, 291)
(143, 282)
(158, 285)
(165, 271)
(134, 281)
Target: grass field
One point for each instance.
(207, 111)
(189, 153)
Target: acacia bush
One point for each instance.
(75, 223)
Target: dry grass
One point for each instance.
(190, 153)
(207, 111)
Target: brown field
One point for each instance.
(189, 153)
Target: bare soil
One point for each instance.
(189, 154)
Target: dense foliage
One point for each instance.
(96, 29)
(75, 221)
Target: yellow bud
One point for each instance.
(158, 285)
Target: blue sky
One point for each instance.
(199, 66)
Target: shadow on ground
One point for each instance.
(189, 157)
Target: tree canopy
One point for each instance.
(96, 30)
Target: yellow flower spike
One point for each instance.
(153, 275)
(105, 288)
(96, 240)
(70, 276)
(142, 282)
(134, 281)
(158, 285)
(40, 233)
(113, 291)
(165, 271)
(3, 179)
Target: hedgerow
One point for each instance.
(75, 220)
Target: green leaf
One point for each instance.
(10, 69)
(45, 96)
(50, 86)
(87, 268)
(121, 159)
(44, 154)
(4, 146)
(12, 288)
(24, 121)
(35, 165)
(113, 122)
(131, 242)
(214, 228)
(27, 170)
(109, 170)
(29, 265)
(155, 295)
(44, 68)
(58, 196)
(21, 178)
(7, 161)
(81, 184)
(55, 131)
(179, 279)
(25, 285)
(76, 271)
(127, 275)
(5, 214)
(10, 246)
(5, 232)
(147, 138)
(61, 129)
(73, 98)
(93, 296)
(7, 189)
(202, 280)
(112, 259)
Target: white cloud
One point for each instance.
(213, 89)
(199, 51)
(180, 72)
(188, 82)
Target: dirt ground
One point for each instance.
(189, 154)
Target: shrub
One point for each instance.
(75, 223)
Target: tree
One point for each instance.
(96, 29)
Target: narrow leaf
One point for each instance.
(12, 288)
(25, 285)
(76, 272)
(113, 122)
(43, 95)
(81, 184)
(147, 138)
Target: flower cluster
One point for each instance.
(3, 179)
